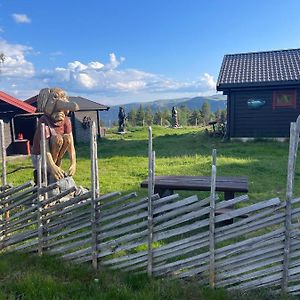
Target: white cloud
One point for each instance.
(94, 79)
(209, 81)
(15, 63)
(21, 18)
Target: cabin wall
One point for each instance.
(264, 121)
(82, 134)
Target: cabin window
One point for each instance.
(284, 99)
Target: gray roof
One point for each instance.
(281, 67)
(86, 104)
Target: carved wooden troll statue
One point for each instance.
(54, 103)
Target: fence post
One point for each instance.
(42, 180)
(94, 195)
(150, 193)
(212, 275)
(3, 153)
(293, 147)
(39, 206)
(3, 175)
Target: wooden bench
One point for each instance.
(166, 185)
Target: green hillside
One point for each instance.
(215, 102)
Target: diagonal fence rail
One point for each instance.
(241, 248)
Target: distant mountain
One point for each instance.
(215, 102)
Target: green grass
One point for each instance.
(33, 277)
(122, 167)
(185, 151)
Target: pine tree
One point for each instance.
(148, 116)
(140, 118)
(205, 109)
(132, 116)
(158, 118)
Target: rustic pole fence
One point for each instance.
(150, 208)
(94, 194)
(3, 154)
(293, 147)
(212, 275)
(3, 164)
(42, 181)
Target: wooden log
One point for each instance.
(3, 154)
(69, 224)
(123, 230)
(69, 209)
(39, 209)
(17, 196)
(20, 226)
(179, 231)
(250, 218)
(191, 248)
(68, 218)
(125, 238)
(176, 205)
(16, 189)
(115, 210)
(182, 219)
(181, 244)
(67, 203)
(43, 155)
(68, 231)
(21, 220)
(118, 201)
(122, 222)
(23, 212)
(253, 266)
(293, 147)
(196, 260)
(253, 276)
(68, 239)
(231, 202)
(119, 263)
(177, 212)
(195, 271)
(212, 275)
(252, 227)
(245, 210)
(69, 246)
(252, 255)
(26, 200)
(137, 207)
(246, 244)
(150, 207)
(57, 197)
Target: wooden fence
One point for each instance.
(255, 245)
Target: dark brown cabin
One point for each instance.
(263, 92)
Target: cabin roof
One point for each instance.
(268, 68)
(83, 103)
(16, 102)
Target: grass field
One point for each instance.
(184, 151)
(122, 166)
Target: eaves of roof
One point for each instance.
(16, 102)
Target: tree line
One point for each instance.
(144, 116)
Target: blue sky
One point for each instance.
(121, 51)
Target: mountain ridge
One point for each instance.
(215, 101)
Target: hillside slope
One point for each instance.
(215, 102)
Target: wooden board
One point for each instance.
(200, 183)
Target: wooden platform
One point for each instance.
(229, 185)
